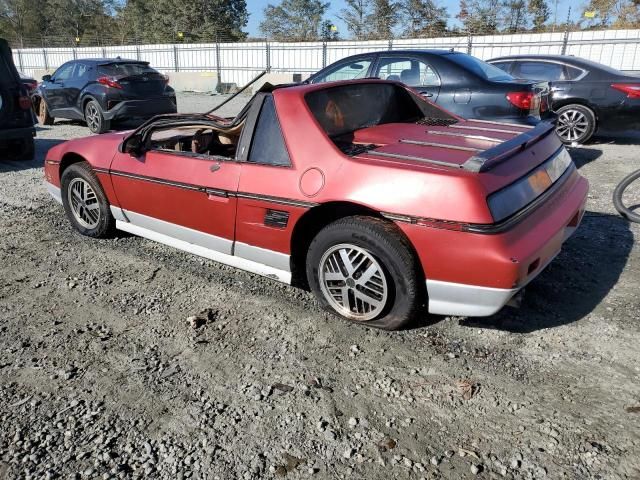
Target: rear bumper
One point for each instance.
(17, 133)
(147, 108)
(476, 274)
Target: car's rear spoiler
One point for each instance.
(495, 155)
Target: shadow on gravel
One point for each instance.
(582, 155)
(630, 137)
(42, 147)
(588, 267)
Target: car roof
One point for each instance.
(430, 51)
(108, 61)
(567, 59)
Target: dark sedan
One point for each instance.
(101, 91)
(587, 96)
(458, 82)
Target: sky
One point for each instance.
(256, 8)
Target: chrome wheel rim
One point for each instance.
(92, 117)
(353, 282)
(572, 125)
(84, 203)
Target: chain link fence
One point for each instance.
(237, 63)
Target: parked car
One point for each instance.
(378, 206)
(586, 95)
(104, 90)
(16, 118)
(462, 84)
(29, 82)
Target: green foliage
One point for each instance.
(480, 17)
(294, 20)
(539, 12)
(422, 18)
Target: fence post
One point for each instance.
(75, 53)
(137, 52)
(218, 66)
(267, 53)
(565, 41)
(469, 44)
(20, 60)
(175, 58)
(46, 61)
(390, 44)
(104, 52)
(324, 54)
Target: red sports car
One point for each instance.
(377, 200)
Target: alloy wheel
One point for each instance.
(43, 112)
(572, 125)
(353, 282)
(84, 203)
(92, 117)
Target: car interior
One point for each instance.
(198, 139)
(345, 109)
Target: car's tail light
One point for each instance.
(519, 194)
(24, 102)
(631, 89)
(524, 100)
(109, 82)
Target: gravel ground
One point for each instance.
(123, 358)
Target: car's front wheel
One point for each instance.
(576, 123)
(95, 118)
(363, 269)
(85, 202)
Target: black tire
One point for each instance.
(390, 250)
(27, 151)
(43, 113)
(105, 224)
(618, 194)
(576, 124)
(95, 118)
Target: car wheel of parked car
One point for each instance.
(576, 123)
(364, 270)
(94, 118)
(85, 203)
(43, 113)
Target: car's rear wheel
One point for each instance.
(363, 269)
(85, 202)
(95, 119)
(43, 113)
(576, 123)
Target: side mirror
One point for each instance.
(46, 78)
(132, 146)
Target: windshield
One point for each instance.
(125, 69)
(480, 68)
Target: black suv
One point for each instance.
(16, 118)
(102, 90)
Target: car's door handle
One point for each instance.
(426, 94)
(215, 167)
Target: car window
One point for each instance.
(346, 71)
(480, 68)
(506, 66)
(571, 73)
(410, 71)
(540, 71)
(267, 145)
(80, 70)
(125, 69)
(64, 72)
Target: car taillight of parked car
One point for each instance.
(631, 89)
(110, 82)
(524, 100)
(24, 102)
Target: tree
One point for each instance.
(329, 32)
(480, 17)
(356, 16)
(617, 13)
(515, 16)
(383, 19)
(539, 12)
(423, 18)
(294, 20)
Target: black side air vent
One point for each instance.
(276, 218)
